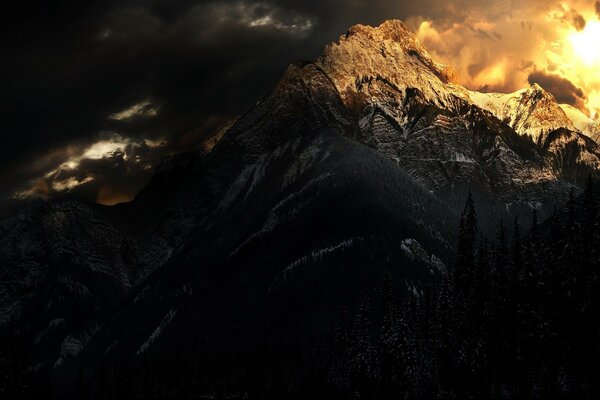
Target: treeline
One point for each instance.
(514, 318)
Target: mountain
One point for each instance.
(582, 122)
(530, 112)
(353, 168)
(409, 109)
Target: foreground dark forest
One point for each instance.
(515, 317)
(512, 319)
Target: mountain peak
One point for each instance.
(537, 93)
(531, 112)
(394, 30)
(393, 38)
(536, 88)
(389, 53)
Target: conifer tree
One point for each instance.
(517, 249)
(465, 262)
(364, 357)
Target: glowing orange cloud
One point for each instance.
(501, 50)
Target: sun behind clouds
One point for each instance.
(582, 55)
(586, 44)
(507, 51)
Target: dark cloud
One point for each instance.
(562, 89)
(73, 65)
(597, 7)
(578, 21)
(123, 176)
(113, 165)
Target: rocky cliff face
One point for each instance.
(353, 164)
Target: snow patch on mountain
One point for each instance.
(414, 251)
(75, 342)
(52, 325)
(314, 257)
(530, 112)
(156, 333)
(582, 122)
(459, 157)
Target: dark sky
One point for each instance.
(95, 93)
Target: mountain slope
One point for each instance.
(354, 166)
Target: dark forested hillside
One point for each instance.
(515, 316)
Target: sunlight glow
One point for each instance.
(503, 53)
(586, 43)
(105, 148)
